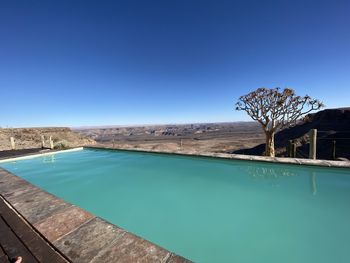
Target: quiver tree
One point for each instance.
(275, 109)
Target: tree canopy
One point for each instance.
(275, 109)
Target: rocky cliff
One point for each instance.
(331, 124)
(26, 138)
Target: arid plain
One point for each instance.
(203, 137)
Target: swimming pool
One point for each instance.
(207, 209)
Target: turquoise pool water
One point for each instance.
(208, 210)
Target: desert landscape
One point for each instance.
(202, 137)
(333, 127)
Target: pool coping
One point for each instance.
(276, 160)
(76, 233)
(33, 155)
(242, 157)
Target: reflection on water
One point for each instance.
(313, 183)
(49, 159)
(266, 172)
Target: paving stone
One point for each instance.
(18, 189)
(2, 172)
(27, 236)
(84, 243)
(8, 187)
(37, 205)
(12, 186)
(6, 179)
(62, 222)
(177, 259)
(130, 248)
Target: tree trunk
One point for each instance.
(270, 144)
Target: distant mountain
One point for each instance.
(331, 124)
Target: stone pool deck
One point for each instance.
(72, 232)
(280, 160)
(18, 238)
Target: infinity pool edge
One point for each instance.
(241, 157)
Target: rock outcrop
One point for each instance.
(26, 138)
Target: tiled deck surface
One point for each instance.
(77, 234)
(18, 238)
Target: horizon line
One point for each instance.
(120, 125)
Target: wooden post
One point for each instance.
(290, 148)
(313, 140)
(333, 149)
(13, 144)
(42, 141)
(294, 150)
(113, 142)
(51, 143)
(181, 143)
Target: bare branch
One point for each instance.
(275, 109)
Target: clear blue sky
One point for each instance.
(75, 63)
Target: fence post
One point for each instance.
(51, 143)
(313, 140)
(42, 141)
(294, 150)
(333, 149)
(13, 144)
(290, 148)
